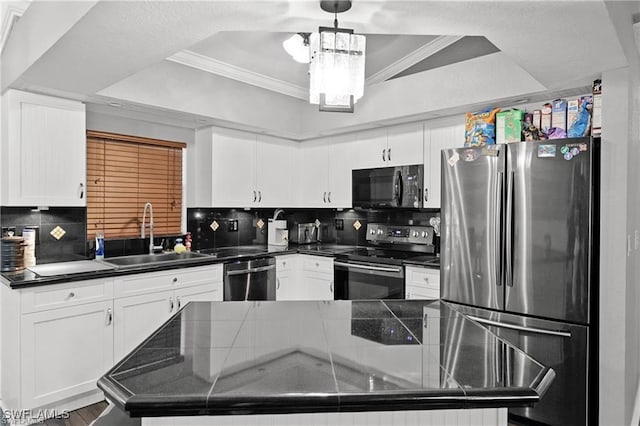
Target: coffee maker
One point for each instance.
(277, 233)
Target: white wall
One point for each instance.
(125, 126)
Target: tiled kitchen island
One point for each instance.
(333, 362)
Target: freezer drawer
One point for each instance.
(560, 346)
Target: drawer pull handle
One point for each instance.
(72, 294)
(278, 284)
(426, 279)
(331, 286)
(317, 265)
(171, 304)
(175, 279)
(109, 316)
(179, 303)
(284, 264)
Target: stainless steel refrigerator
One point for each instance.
(519, 253)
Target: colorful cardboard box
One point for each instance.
(509, 126)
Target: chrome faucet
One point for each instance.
(144, 217)
(276, 213)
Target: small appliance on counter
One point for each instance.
(306, 233)
(277, 233)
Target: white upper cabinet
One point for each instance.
(405, 144)
(274, 181)
(437, 139)
(371, 149)
(389, 146)
(233, 169)
(43, 151)
(323, 173)
(230, 168)
(312, 173)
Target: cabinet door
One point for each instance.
(287, 272)
(136, 317)
(274, 183)
(371, 149)
(405, 144)
(233, 169)
(44, 154)
(341, 162)
(439, 138)
(286, 286)
(207, 292)
(313, 176)
(316, 286)
(65, 351)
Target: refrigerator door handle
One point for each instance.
(498, 241)
(536, 330)
(508, 252)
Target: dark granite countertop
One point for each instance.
(27, 278)
(217, 358)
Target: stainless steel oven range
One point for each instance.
(377, 272)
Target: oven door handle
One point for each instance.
(369, 268)
(251, 270)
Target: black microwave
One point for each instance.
(388, 187)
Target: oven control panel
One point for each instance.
(405, 234)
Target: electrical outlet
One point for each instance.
(339, 224)
(232, 225)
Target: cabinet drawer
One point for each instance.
(55, 296)
(317, 263)
(414, 292)
(286, 263)
(166, 280)
(423, 277)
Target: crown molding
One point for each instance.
(210, 65)
(412, 58)
(12, 12)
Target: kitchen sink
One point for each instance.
(152, 259)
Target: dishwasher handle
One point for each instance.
(251, 270)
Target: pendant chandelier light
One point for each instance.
(336, 68)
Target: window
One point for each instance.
(124, 173)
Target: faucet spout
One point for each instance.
(276, 213)
(144, 217)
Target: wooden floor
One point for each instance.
(82, 417)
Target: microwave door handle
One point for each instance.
(400, 188)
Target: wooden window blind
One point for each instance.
(124, 173)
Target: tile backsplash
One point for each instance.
(338, 226)
(72, 220)
(233, 227)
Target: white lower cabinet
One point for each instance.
(65, 336)
(316, 278)
(137, 316)
(304, 277)
(287, 276)
(65, 351)
(422, 283)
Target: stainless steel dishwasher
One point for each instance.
(250, 279)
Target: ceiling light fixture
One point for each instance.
(298, 47)
(337, 63)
